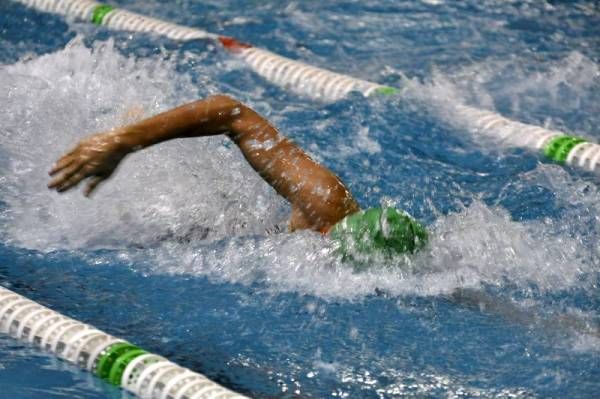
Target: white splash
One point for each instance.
(198, 208)
(184, 189)
(566, 86)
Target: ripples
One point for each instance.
(173, 253)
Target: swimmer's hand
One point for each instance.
(94, 158)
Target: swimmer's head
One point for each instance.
(385, 231)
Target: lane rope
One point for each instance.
(322, 84)
(148, 375)
(114, 360)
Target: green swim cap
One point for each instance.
(386, 231)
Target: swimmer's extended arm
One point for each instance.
(97, 156)
(319, 199)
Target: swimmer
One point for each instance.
(319, 199)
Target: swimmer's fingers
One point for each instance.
(67, 174)
(61, 164)
(70, 182)
(94, 182)
(64, 161)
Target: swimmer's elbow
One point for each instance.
(231, 111)
(225, 100)
(229, 106)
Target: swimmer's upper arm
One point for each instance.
(318, 197)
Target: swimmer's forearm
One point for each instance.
(211, 116)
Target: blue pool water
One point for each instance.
(171, 254)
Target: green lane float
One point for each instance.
(100, 12)
(114, 360)
(558, 148)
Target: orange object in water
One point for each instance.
(232, 44)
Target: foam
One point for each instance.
(58, 98)
(519, 89)
(196, 208)
(468, 249)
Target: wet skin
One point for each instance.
(318, 197)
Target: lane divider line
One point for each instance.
(322, 84)
(112, 359)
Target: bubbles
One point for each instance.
(559, 94)
(483, 245)
(183, 190)
(203, 211)
(513, 254)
